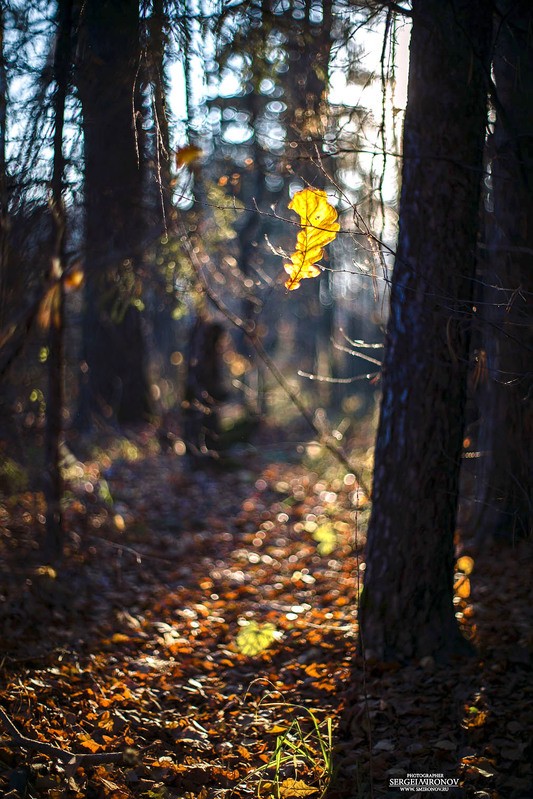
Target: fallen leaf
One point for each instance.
(289, 788)
(87, 742)
(326, 539)
(384, 746)
(484, 768)
(448, 746)
(120, 638)
(255, 638)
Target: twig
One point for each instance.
(85, 758)
(357, 354)
(341, 381)
(251, 335)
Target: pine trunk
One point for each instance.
(505, 438)
(406, 606)
(55, 400)
(114, 383)
(4, 194)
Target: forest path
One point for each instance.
(134, 642)
(150, 636)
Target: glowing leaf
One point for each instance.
(326, 538)
(186, 155)
(46, 571)
(72, 280)
(319, 226)
(465, 564)
(120, 638)
(476, 718)
(277, 729)
(255, 638)
(462, 586)
(289, 788)
(120, 524)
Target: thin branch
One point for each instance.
(339, 380)
(250, 332)
(357, 354)
(363, 345)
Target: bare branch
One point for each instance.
(251, 334)
(338, 380)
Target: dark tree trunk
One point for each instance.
(505, 439)
(53, 485)
(160, 303)
(114, 382)
(3, 162)
(158, 41)
(4, 224)
(204, 390)
(406, 606)
(250, 231)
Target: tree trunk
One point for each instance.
(114, 382)
(204, 390)
(158, 41)
(406, 605)
(310, 46)
(505, 438)
(53, 484)
(4, 195)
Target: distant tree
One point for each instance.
(204, 388)
(3, 162)
(3, 103)
(504, 372)
(4, 190)
(309, 46)
(156, 46)
(406, 606)
(28, 104)
(114, 386)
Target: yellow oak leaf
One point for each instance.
(319, 226)
(297, 788)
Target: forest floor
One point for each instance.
(203, 627)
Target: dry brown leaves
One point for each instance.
(131, 645)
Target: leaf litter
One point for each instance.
(204, 625)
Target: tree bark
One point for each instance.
(4, 194)
(505, 438)
(114, 386)
(158, 41)
(406, 605)
(53, 483)
(309, 46)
